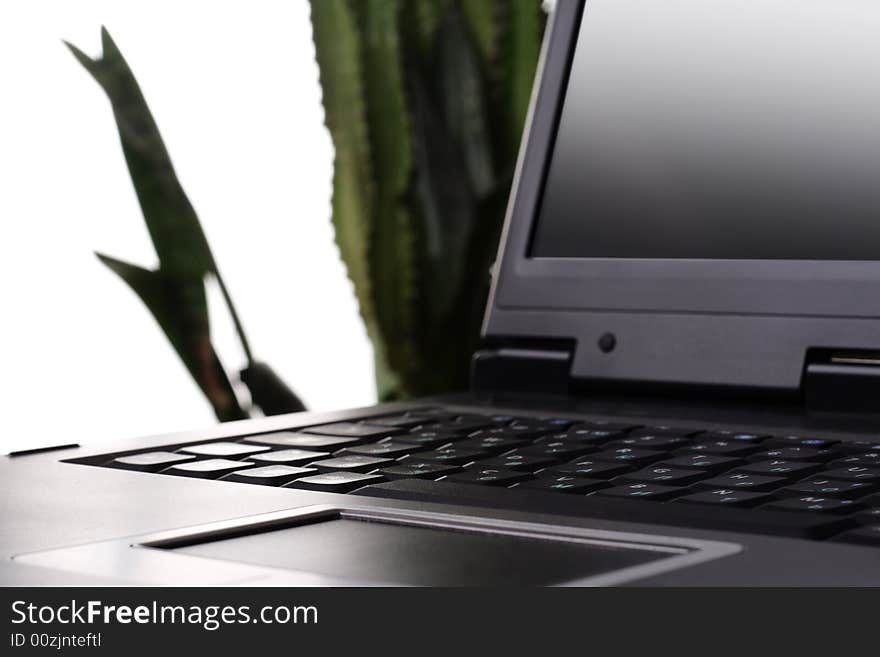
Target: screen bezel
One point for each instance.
(724, 324)
(770, 287)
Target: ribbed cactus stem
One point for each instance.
(424, 100)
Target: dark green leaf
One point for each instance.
(175, 292)
(337, 49)
(482, 23)
(465, 108)
(180, 308)
(268, 391)
(421, 20)
(174, 228)
(433, 177)
(338, 52)
(453, 160)
(392, 255)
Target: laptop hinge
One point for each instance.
(842, 381)
(512, 369)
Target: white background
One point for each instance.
(234, 89)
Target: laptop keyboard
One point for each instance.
(789, 485)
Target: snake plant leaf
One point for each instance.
(420, 21)
(171, 220)
(337, 50)
(521, 44)
(445, 200)
(180, 308)
(465, 106)
(453, 159)
(338, 53)
(392, 255)
(480, 16)
(268, 390)
(175, 292)
(444, 106)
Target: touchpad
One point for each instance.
(400, 551)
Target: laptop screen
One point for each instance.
(722, 129)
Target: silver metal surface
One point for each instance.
(150, 559)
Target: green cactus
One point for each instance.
(425, 101)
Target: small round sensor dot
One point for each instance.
(607, 342)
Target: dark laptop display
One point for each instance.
(718, 130)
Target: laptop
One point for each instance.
(679, 375)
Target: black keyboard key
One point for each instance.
(562, 450)
(737, 436)
(589, 435)
(814, 504)
(744, 481)
(519, 462)
(490, 445)
(522, 434)
(428, 439)
(821, 486)
(400, 421)
(563, 483)
(643, 492)
(223, 450)
(436, 414)
(503, 419)
(391, 449)
(269, 475)
(289, 456)
(631, 455)
(591, 469)
(351, 463)
(607, 425)
(720, 447)
(515, 432)
(411, 469)
(795, 453)
(301, 440)
(870, 459)
(651, 441)
(758, 520)
(452, 454)
(859, 446)
(868, 535)
(801, 441)
(460, 427)
(335, 482)
(706, 462)
(777, 468)
(507, 434)
(558, 422)
(659, 474)
(873, 501)
(488, 476)
(353, 430)
(486, 420)
(665, 431)
(533, 428)
(206, 468)
(870, 516)
(150, 461)
(854, 473)
(726, 497)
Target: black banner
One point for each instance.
(116, 621)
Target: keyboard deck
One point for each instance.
(792, 485)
